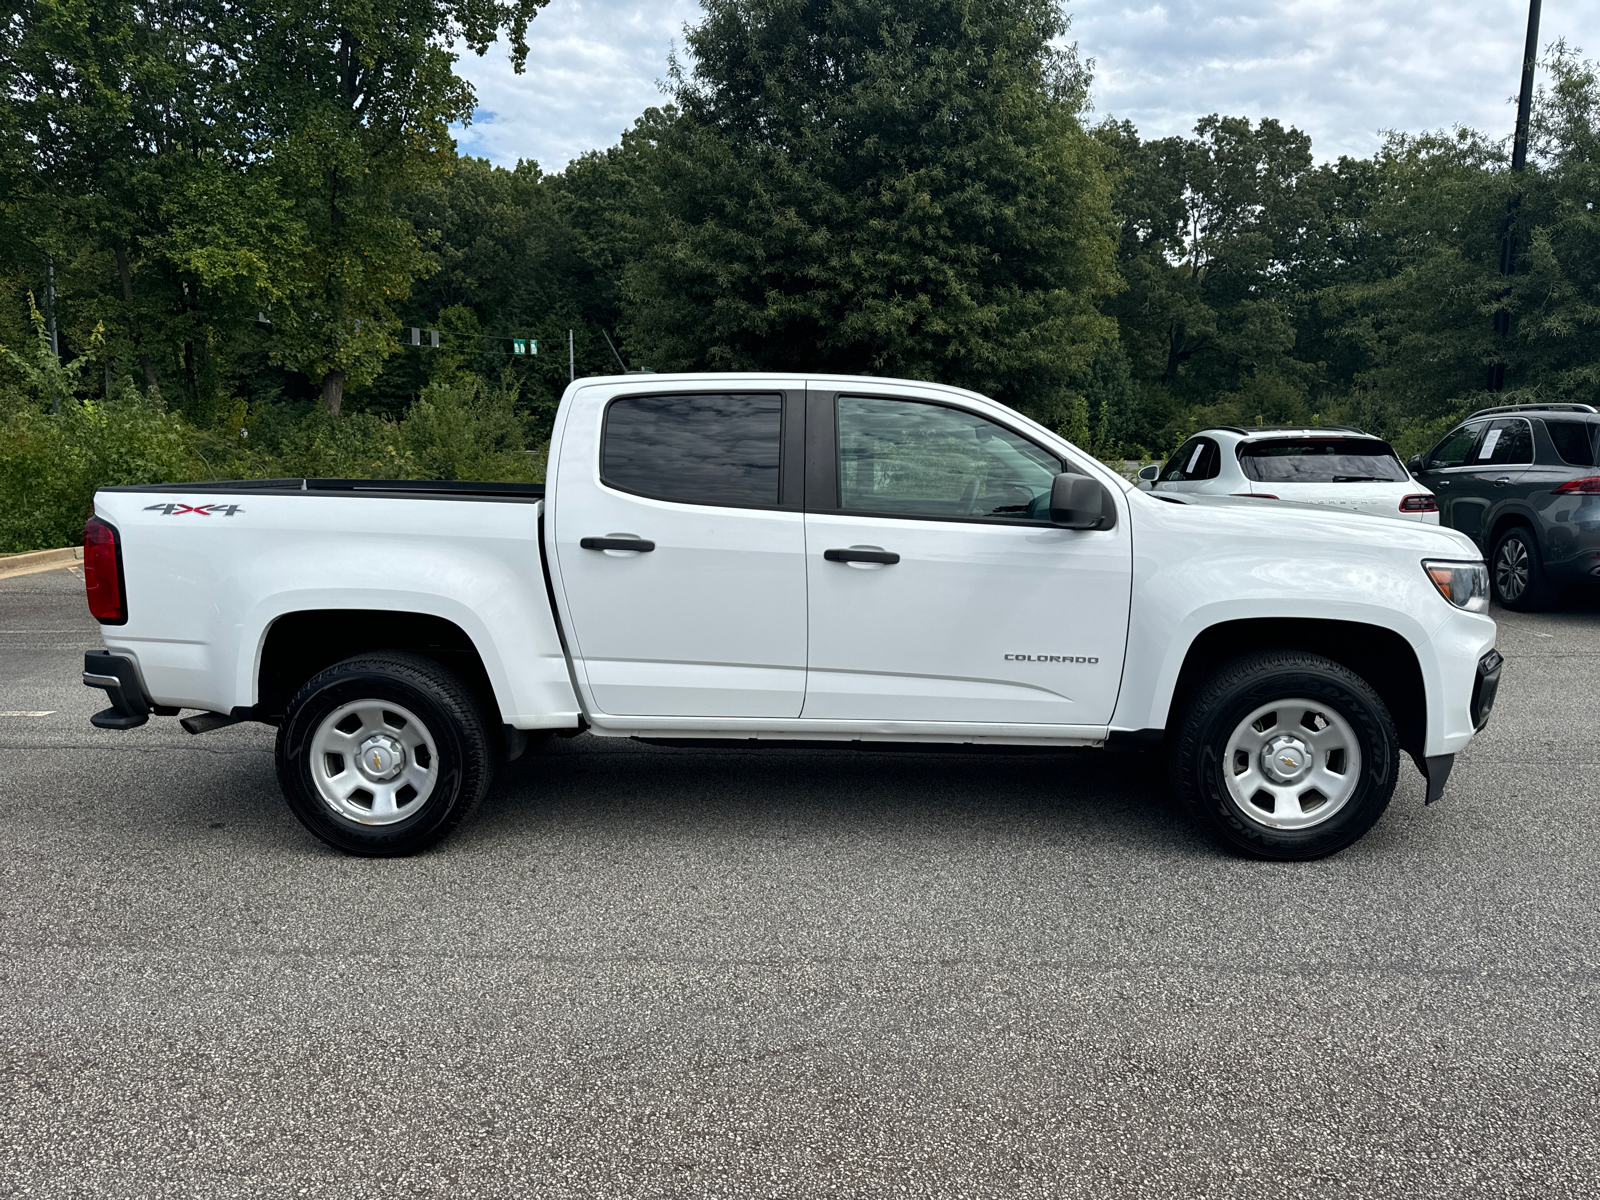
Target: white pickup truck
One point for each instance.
(794, 559)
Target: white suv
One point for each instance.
(1332, 465)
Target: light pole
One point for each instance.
(1519, 163)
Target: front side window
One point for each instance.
(1574, 441)
(1453, 451)
(712, 449)
(1196, 459)
(911, 459)
(1321, 460)
(1509, 442)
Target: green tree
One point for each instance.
(107, 107)
(344, 106)
(1212, 226)
(1422, 318)
(866, 186)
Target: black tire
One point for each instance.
(458, 754)
(1517, 574)
(1199, 754)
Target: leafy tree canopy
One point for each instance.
(872, 187)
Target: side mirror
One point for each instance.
(1078, 502)
(1415, 464)
(1150, 474)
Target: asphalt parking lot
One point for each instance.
(655, 972)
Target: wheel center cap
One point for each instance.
(381, 758)
(1285, 759)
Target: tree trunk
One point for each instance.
(1175, 335)
(333, 391)
(133, 324)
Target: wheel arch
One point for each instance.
(1507, 519)
(296, 645)
(1382, 657)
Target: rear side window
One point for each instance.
(1321, 460)
(711, 449)
(1508, 443)
(1453, 451)
(1198, 458)
(1574, 441)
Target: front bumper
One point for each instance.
(1485, 686)
(1435, 768)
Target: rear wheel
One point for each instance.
(383, 754)
(1286, 755)
(1520, 581)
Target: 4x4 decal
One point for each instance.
(204, 510)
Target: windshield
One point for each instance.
(1321, 460)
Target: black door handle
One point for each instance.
(849, 556)
(593, 543)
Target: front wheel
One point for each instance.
(1286, 755)
(384, 754)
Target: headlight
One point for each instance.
(1464, 584)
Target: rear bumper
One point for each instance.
(119, 678)
(1582, 566)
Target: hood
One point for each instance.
(1326, 524)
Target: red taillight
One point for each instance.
(1256, 495)
(102, 572)
(1419, 504)
(1587, 487)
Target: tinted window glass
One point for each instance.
(904, 458)
(1574, 441)
(1198, 458)
(1508, 442)
(695, 449)
(1453, 451)
(1325, 460)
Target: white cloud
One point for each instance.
(1340, 70)
(593, 66)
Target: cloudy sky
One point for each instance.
(1342, 71)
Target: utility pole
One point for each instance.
(572, 368)
(50, 303)
(1519, 163)
(50, 318)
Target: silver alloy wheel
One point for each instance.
(1292, 764)
(1512, 569)
(374, 762)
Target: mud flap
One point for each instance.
(1435, 773)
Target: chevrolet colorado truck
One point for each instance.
(781, 560)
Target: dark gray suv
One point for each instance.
(1522, 482)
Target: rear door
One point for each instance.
(940, 592)
(681, 551)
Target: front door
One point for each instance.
(681, 552)
(1447, 472)
(1498, 460)
(939, 590)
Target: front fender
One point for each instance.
(1198, 567)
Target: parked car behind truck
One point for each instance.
(1522, 481)
(777, 559)
(1335, 465)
